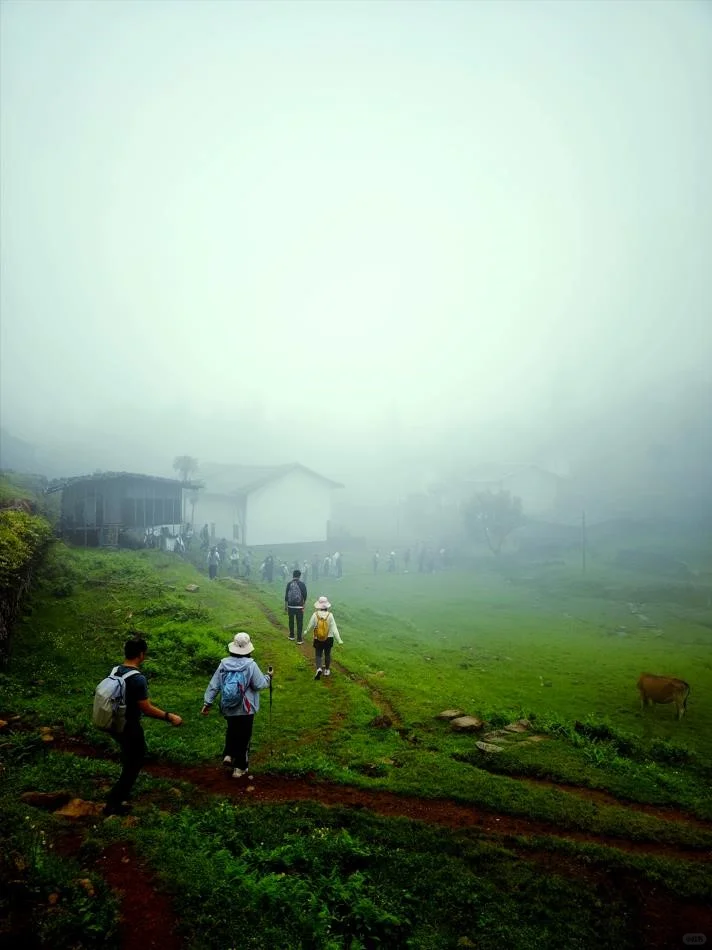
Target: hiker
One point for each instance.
(305, 572)
(376, 559)
(326, 566)
(235, 561)
(222, 549)
(338, 567)
(213, 563)
(295, 597)
(316, 560)
(238, 679)
(269, 568)
(325, 632)
(204, 538)
(132, 741)
(247, 564)
(391, 568)
(406, 560)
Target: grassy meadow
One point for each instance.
(498, 641)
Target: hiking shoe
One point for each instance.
(327, 672)
(238, 773)
(317, 675)
(290, 638)
(227, 760)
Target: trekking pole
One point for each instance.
(269, 672)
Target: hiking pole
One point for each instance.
(269, 673)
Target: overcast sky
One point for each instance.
(329, 215)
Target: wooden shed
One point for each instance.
(108, 509)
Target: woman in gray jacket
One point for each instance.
(238, 679)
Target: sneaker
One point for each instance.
(227, 760)
(327, 672)
(300, 643)
(290, 638)
(120, 808)
(238, 773)
(317, 675)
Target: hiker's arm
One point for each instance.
(211, 692)
(260, 680)
(153, 712)
(311, 624)
(334, 630)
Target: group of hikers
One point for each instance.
(240, 564)
(238, 680)
(428, 560)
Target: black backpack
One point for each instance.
(294, 595)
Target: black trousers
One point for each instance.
(237, 739)
(323, 648)
(298, 614)
(132, 743)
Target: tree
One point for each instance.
(185, 465)
(495, 514)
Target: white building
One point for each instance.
(269, 504)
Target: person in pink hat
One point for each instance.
(325, 632)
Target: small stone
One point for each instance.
(515, 727)
(488, 747)
(77, 808)
(192, 588)
(525, 723)
(250, 788)
(467, 724)
(450, 714)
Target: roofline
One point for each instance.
(112, 476)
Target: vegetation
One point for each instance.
(493, 515)
(501, 644)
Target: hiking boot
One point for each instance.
(238, 773)
(317, 675)
(227, 760)
(327, 672)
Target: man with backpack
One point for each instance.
(325, 632)
(295, 597)
(129, 704)
(238, 679)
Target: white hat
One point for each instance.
(241, 645)
(322, 603)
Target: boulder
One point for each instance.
(488, 747)
(467, 724)
(78, 808)
(450, 714)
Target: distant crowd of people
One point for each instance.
(428, 559)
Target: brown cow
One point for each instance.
(663, 690)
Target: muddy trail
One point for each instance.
(262, 789)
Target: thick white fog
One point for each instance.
(329, 232)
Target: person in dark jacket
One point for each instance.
(132, 740)
(295, 597)
(239, 718)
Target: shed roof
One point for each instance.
(243, 479)
(112, 476)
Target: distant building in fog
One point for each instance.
(97, 510)
(268, 504)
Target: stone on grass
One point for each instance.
(499, 735)
(515, 727)
(467, 724)
(48, 800)
(192, 588)
(78, 808)
(488, 747)
(450, 714)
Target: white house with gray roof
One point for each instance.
(259, 505)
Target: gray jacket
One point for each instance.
(258, 681)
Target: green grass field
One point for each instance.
(482, 640)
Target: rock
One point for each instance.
(77, 808)
(450, 714)
(250, 788)
(381, 722)
(192, 588)
(488, 747)
(48, 800)
(467, 724)
(525, 723)
(515, 727)
(497, 736)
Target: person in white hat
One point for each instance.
(238, 679)
(325, 632)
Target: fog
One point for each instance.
(380, 239)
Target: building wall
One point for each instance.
(289, 510)
(538, 490)
(221, 511)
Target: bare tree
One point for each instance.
(495, 514)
